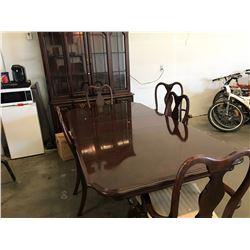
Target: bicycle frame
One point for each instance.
(245, 100)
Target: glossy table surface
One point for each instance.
(127, 149)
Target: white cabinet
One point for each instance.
(22, 130)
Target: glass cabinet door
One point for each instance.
(54, 42)
(117, 42)
(97, 42)
(77, 56)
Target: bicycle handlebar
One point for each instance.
(218, 79)
(231, 77)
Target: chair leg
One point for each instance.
(84, 195)
(78, 180)
(6, 164)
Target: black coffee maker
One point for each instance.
(18, 73)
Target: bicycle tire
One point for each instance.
(220, 96)
(244, 109)
(219, 119)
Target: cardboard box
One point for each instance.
(63, 147)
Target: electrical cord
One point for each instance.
(144, 83)
(2, 62)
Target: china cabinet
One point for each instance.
(74, 60)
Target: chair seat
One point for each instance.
(193, 214)
(188, 206)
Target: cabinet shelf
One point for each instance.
(105, 53)
(56, 56)
(80, 55)
(118, 52)
(58, 75)
(79, 74)
(62, 57)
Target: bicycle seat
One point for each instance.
(236, 76)
(247, 72)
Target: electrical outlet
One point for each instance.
(161, 67)
(29, 36)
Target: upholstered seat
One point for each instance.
(188, 208)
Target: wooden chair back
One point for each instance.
(80, 175)
(100, 100)
(65, 129)
(214, 191)
(168, 88)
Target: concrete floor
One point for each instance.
(45, 183)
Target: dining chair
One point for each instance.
(100, 98)
(193, 203)
(6, 164)
(168, 88)
(174, 107)
(80, 179)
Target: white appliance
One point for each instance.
(14, 96)
(21, 127)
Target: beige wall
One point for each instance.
(0, 40)
(192, 59)
(16, 49)
(1, 44)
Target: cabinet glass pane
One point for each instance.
(56, 61)
(77, 60)
(98, 54)
(118, 60)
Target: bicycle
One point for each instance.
(238, 89)
(230, 110)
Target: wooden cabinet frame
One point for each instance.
(71, 96)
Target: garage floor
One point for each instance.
(45, 183)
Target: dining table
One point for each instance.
(127, 149)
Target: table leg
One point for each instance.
(136, 209)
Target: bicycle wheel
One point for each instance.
(225, 117)
(244, 110)
(220, 96)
